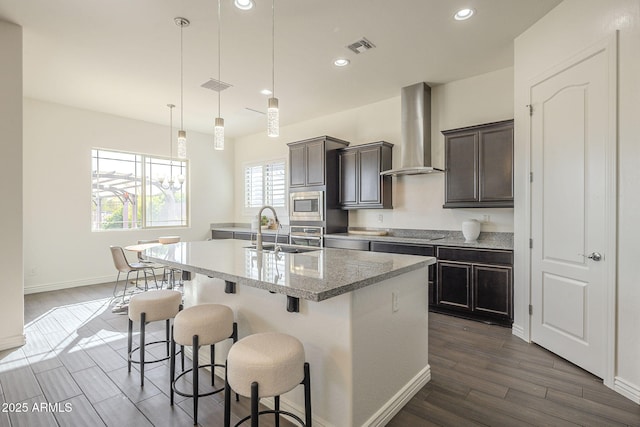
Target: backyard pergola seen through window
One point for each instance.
(137, 191)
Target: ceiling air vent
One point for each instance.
(216, 85)
(361, 45)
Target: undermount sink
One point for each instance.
(289, 249)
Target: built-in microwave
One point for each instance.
(306, 206)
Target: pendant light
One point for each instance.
(218, 130)
(273, 113)
(182, 134)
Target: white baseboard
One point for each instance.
(12, 342)
(66, 285)
(627, 389)
(518, 331)
(384, 415)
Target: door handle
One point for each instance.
(596, 256)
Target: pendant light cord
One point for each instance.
(219, 54)
(171, 138)
(181, 79)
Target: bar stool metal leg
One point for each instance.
(213, 361)
(276, 406)
(195, 379)
(129, 345)
(167, 326)
(142, 349)
(254, 404)
(227, 399)
(172, 367)
(307, 395)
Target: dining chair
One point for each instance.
(124, 266)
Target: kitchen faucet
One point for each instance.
(259, 234)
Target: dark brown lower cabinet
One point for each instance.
(454, 288)
(475, 283)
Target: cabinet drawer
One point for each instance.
(218, 234)
(483, 256)
(272, 238)
(359, 245)
(402, 248)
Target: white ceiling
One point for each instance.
(122, 56)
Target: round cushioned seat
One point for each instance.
(273, 360)
(212, 323)
(157, 305)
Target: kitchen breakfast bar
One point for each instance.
(361, 316)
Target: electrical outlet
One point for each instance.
(380, 218)
(33, 271)
(394, 301)
(486, 218)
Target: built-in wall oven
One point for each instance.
(306, 206)
(305, 235)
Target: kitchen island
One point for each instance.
(361, 316)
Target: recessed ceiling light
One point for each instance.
(243, 4)
(266, 92)
(463, 14)
(341, 62)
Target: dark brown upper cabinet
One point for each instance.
(479, 166)
(361, 186)
(310, 161)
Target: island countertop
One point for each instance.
(314, 276)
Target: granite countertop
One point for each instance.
(316, 275)
(487, 240)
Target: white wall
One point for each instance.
(59, 246)
(417, 200)
(11, 257)
(571, 27)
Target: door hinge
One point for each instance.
(530, 176)
(530, 107)
(530, 243)
(530, 310)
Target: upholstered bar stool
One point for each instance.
(204, 324)
(265, 365)
(148, 307)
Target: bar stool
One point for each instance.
(204, 324)
(264, 365)
(148, 307)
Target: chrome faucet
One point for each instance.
(259, 234)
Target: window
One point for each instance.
(264, 184)
(132, 191)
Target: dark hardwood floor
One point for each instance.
(75, 361)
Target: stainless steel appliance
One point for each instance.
(306, 235)
(306, 206)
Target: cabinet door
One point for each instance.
(315, 163)
(297, 168)
(492, 290)
(369, 176)
(461, 168)
(496, 164)
(454, 285)
(348, 181)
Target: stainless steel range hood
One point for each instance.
(415, 151)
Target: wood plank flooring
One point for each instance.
(481, 375)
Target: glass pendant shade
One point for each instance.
(273, 118)
(182, 144)
(218, 134)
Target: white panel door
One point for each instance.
(570, 137)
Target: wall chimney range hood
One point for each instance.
(415, 150)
